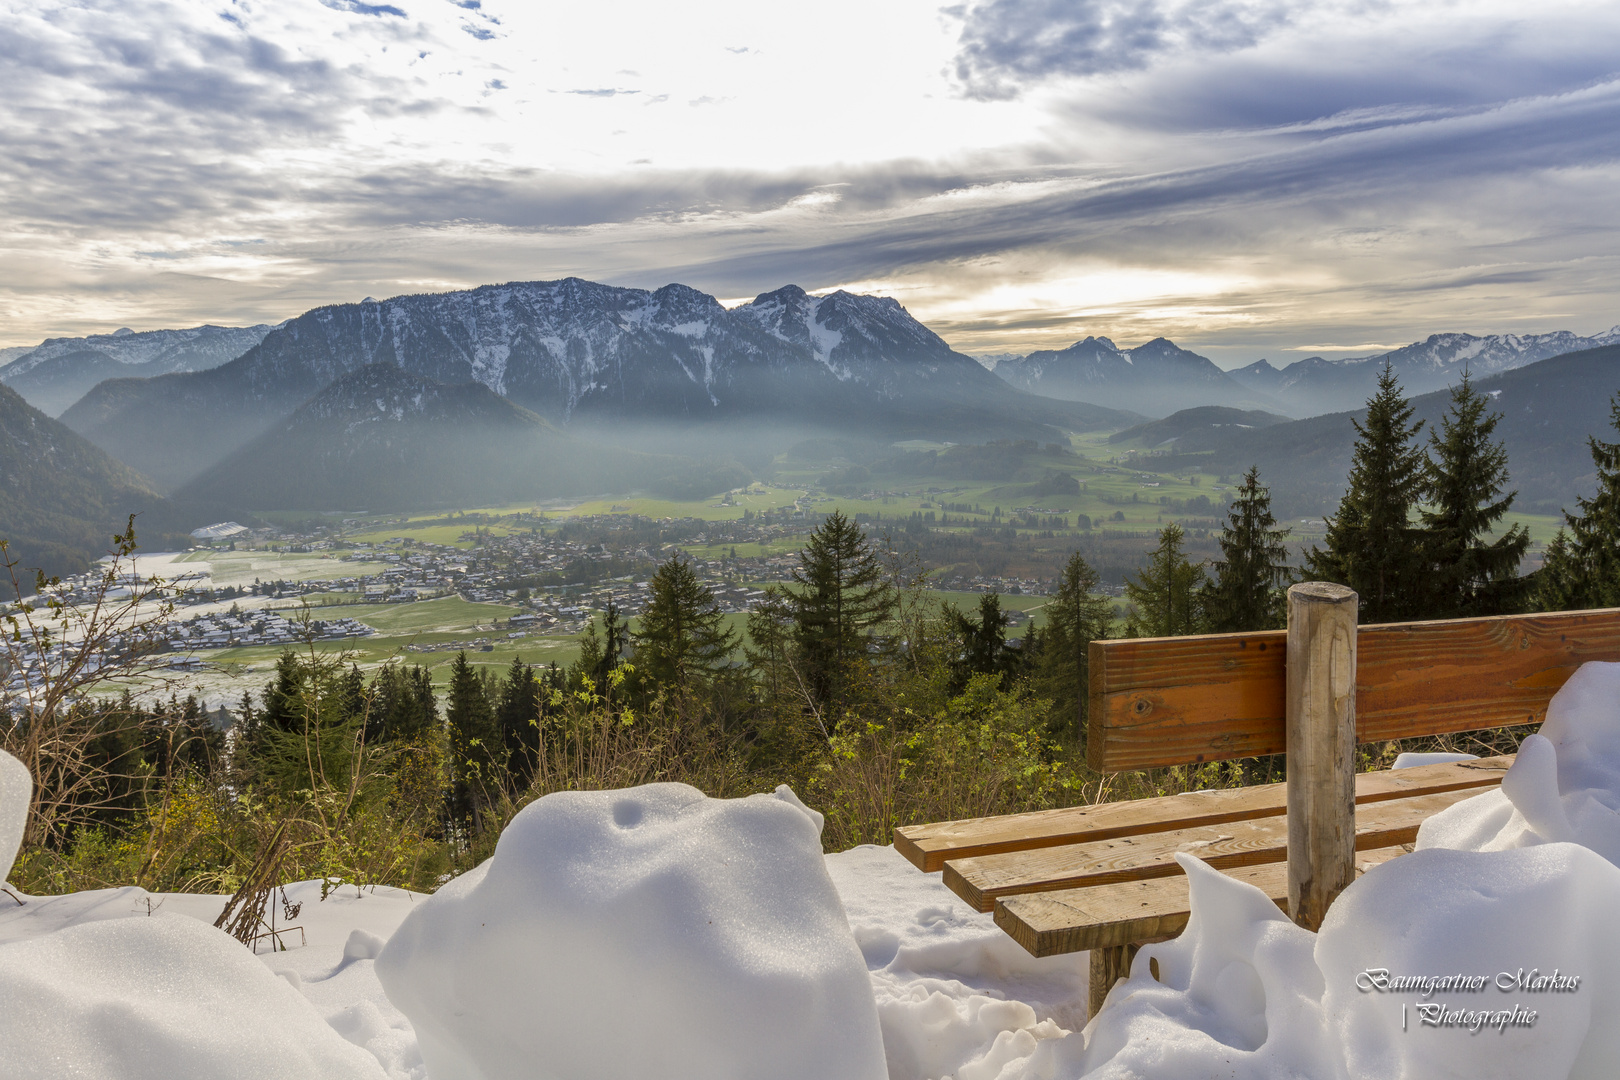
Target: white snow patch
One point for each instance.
(16, 789)
(639, 933)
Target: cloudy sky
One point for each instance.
(1250, 178)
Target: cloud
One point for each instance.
(1008, 44)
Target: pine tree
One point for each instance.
(518, 718)
(1075, 617)
(475, 745)
(1469, 574)
(1247, 592)
(1581, 568)
(683, 637)
(843, 597)
(984, 642)
(1164, 597)
(1372, 546)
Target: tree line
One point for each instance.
(1418, 534)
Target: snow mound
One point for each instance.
(165, 998)
(646, 932)
(1564, 787)
(16, 789)
(955, 995)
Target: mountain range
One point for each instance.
(1317, 385)
(1155, 379)
(59, 371)
(647, 365)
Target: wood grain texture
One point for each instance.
(1321, 739)
(981, 881)
(1112, 916)
(929, 846)
(1175, 701)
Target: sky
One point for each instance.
(1248, 178)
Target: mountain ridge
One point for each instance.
(576, 352)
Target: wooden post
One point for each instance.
(1321, 740)
(1109, 964)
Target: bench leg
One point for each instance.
(1109, 965)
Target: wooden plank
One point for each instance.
(1110, 916)
(1174, 701)
(981, 881)
(928, 846)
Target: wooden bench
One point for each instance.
(1103, 878)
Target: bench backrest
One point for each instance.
(1176, 701)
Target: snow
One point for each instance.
(166, 998)
(649, 932)
(16, 789)
(654, 931)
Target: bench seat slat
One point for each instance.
(981, 880)
(929, 846)
(1127, 912)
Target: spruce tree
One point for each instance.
(1372, 545)
(1247, 591)
(1470, 574)
(1164, 597)
(518, 718)
(984, 642)
(1075, 617)
(843, 597)
(475, 746)
(1581, 568)
(683, 637)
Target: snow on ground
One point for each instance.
(710, 938)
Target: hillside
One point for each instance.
(1195, 429)
(594, 356)
(59, 371)
(1549, 408)
(64, 498)
(383, 439)
(1155, 379)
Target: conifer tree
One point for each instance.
(1581, 568)
(984, 641)
(1247, 591)
(683, 637)
(518, 717)
(1470, 574)
(1164, 597)
(843, 597)
(1372, 545)
(1075, 617)
(475, 746)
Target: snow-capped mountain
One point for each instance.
(59, 371)
(1319, 385)
(576, 351)
(1155, 379)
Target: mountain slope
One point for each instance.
(64, 498)
(381, 439)
(59, 371)
(581, 353)
(1196, 429)
(1155, 379)
(1548, 409)
(1317, 385)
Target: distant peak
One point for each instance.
(370, 300)
(785, 295)
(122, 331)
